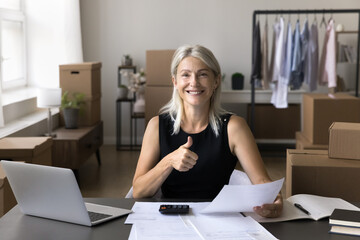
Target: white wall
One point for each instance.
(111, 28)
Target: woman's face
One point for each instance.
(195, 81)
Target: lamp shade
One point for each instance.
(49, 97)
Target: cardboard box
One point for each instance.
(279, 123)
(158, 63)
(344, 140)
(313, 172)
(156, 98)
(91, 113)
(27, 149)
(321, 110)
(81, 77)
(303, 143)
(7, 198)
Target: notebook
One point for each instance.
(53, 192)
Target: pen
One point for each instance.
(297, 205)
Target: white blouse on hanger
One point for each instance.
(327, 68)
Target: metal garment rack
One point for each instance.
(314, 11)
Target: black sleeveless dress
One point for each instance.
(214, 165)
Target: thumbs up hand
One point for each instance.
(183, 159)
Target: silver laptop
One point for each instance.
(52, 192)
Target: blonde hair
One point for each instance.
(175, 106)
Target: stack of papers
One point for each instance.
(220, 219)
(150, 224)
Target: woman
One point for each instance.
(191, 148)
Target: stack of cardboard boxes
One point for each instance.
(158, 81)
(84, 78)
(331, 122)
(319, 112)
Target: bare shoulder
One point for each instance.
(238, 132)
(151, 134)
(153, 123)
(150, 145)
(236, 123)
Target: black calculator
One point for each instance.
(174, 209)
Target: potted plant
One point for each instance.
(237, 81)
(137, 86)
(127, 60)
(122, 91)
(71, 107)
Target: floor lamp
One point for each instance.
(49, 98)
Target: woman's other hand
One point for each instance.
(270, 210)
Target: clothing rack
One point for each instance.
(313, 11)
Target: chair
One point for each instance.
(237, 178)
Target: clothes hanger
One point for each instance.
(323, 21)
(298, 18)
(306, 18)
(266, 19)
(281, 16)
(315, 20)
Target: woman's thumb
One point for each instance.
(188, 143)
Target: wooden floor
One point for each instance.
(113, 178)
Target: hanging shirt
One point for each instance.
(264, 52)
(304, 37)
(296, 73)
(286, 65)
(311, 74)
(272, 57)
(279, 47)
(256, 64)
(327, 68)
(280, 92)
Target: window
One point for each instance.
(12, 45)
(10, 4)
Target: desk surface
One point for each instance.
(15, 225)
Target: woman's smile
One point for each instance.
(194, 92)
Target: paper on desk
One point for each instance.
(150, 224)
(230, 226)
(163, 230)
(192, 226)
(242, 198)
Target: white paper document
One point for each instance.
(318, 207)
(150, 224)
(229, 226)
(242, 198)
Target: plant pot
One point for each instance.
(237, 82)
(139, 105)
(71, 117)
(126, 61)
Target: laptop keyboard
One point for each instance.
(94, 216)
